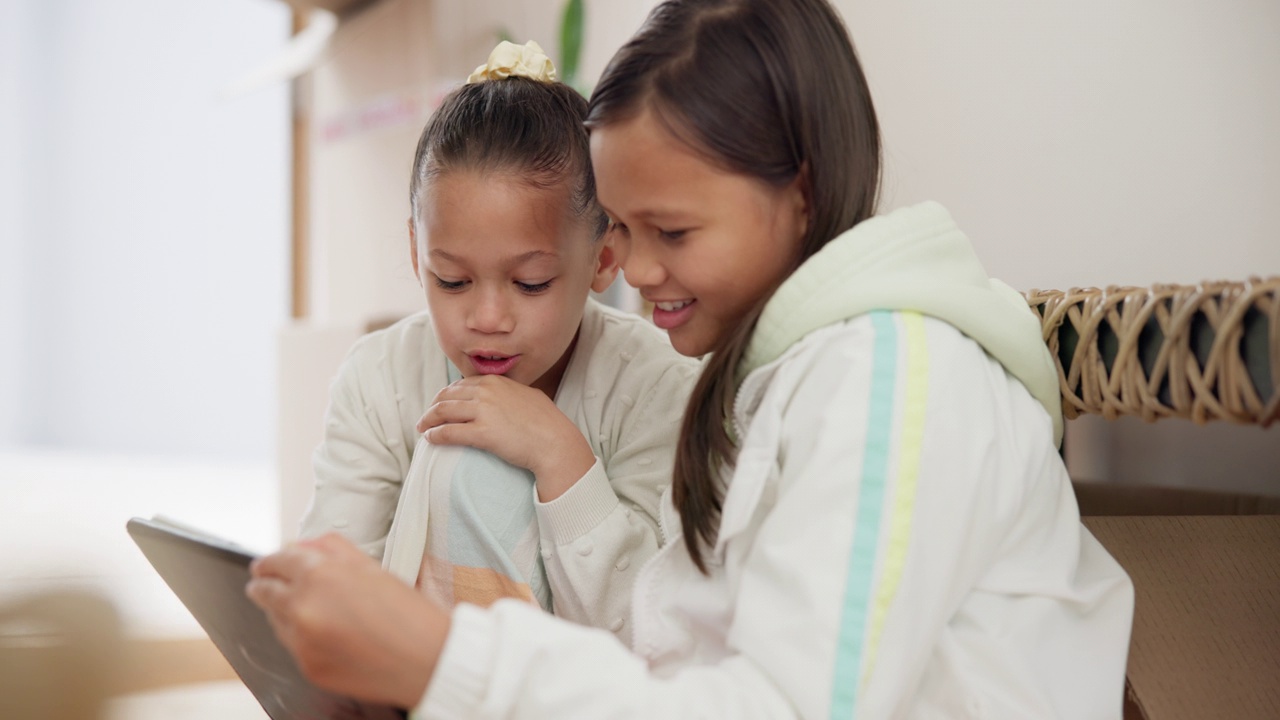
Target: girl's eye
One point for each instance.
(671, 235)
(449, 284)
(533, 288)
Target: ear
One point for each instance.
(606, 265)
(413, 249)
(801, 195)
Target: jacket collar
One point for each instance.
(914, 259)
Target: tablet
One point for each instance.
(208, 575)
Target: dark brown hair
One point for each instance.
(534, 129)
(767, 88)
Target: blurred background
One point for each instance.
(202, 206)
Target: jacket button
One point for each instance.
(616, 625)
(623, 563)
(584, 547)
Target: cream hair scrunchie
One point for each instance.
(511, 60)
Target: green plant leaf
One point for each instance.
(571, 41)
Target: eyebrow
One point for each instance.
(517, 260)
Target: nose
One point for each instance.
(640, 264)
(491, 313)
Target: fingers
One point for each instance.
(465, 400)
(274, 577)
(468, 434)
(270, 594)
(288, 564)
(477, 386)
(468, 388)
(327, 543)
(444, 412)
(455, 391)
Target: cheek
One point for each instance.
(438, 309)
(445, 319)
(554, 322)
(561, 318)
(723, 275)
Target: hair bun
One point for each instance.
(511, 60)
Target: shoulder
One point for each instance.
(630, 348)
(402, 338)
(892, 385)
(402, 353)
(629, 379)
(406, 335)
(886, 344)
(899, 370)
(608, 326)
(896, 357)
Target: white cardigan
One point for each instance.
(625, 388)
(899, 540)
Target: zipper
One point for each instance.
(745, 390)
(641, 597)
(639, 591)
(662, 522)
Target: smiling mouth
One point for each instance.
(673, 314)
(672, 306)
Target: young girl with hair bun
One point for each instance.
(548, 417)
(868, 518)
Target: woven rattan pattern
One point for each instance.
(1202, 352)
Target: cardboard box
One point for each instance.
(1206, 631)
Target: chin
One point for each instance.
(689, 346)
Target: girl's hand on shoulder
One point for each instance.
(354, 629)
(517, 423)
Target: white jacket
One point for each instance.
(625, 388)
(899, 539)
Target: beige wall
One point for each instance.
(366, 102)
(1092, 143)
(1086, 142)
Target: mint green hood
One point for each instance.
(916, 259)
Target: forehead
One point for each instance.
(642, 167)
(485, 216)
(641, 144)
